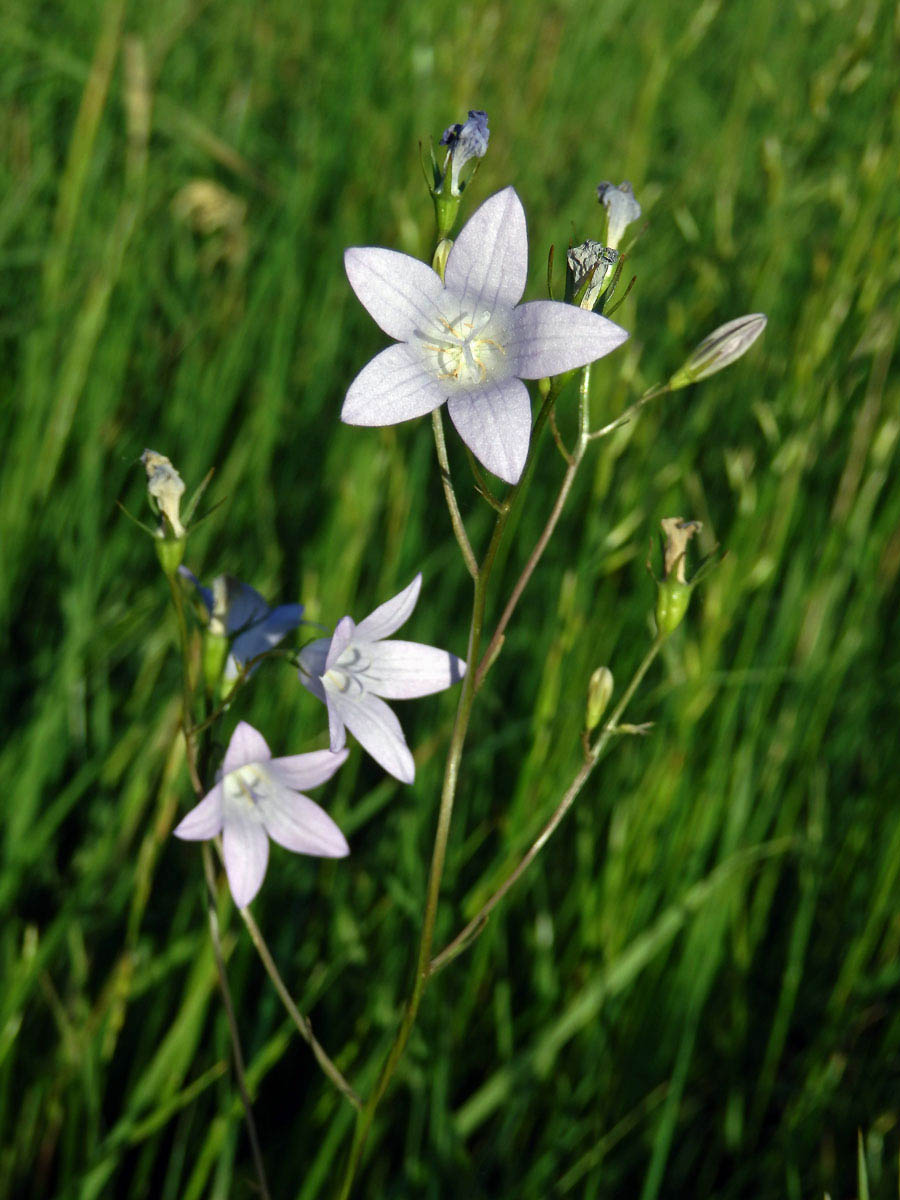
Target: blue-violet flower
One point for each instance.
(239, 612)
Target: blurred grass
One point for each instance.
(695, 991)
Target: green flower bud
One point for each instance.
(672, 602)
(674, 594)
(720, 349)
(442, 253)
(170, 552)
(215, 652)
(600, 690)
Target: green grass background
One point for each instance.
(661, 1008)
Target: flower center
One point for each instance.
(467, 349)
(346, 674)
(246, 786)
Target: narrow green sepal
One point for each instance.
(140, 524)
(196, 497)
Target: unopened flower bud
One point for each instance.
(215, 653)
(441, 254)
(587, 267)
(674, 591)
(165, 488)
(600, 690)
(621, 209)
(466, 144)
(720, 349)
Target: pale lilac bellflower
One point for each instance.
(466, 339)
(464, 142)
(356, 670)
(258, 797)
(238, 611)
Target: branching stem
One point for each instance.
(470, 932)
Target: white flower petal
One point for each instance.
(547, 338)
(388, 617)
(305, 770)
(488, 264)
(204, 820)
(337, 734)
(299, 824)
(247, 745)
(377, 730)
(312, 659)
(245, 849)
(495, 423)
(394, 386)
(399, 292)
(400, 670)
(341, 639)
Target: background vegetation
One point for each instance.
(695, 991)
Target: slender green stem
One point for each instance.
(187, 693)
(439, 853)
(574, 460)
(631, 412)
(215, 937)
(237, 1052)
(471, 931)
(456, 520)
(303, 1024)
(445, 812)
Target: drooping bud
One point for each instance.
(674, 594)
(587, 267)
(720, 349)
(621, 209)
(600, 690)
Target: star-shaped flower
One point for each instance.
(354, 668)
(257, 797)
(466, 339)
(242, 614)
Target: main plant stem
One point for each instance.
(438, 857)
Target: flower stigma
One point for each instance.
(469, 349)
(246, 785)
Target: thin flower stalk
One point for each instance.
(302, 1023)
(215, 937)
(459, 529)
(575, 459)
(474, 927)
(240, 1069)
